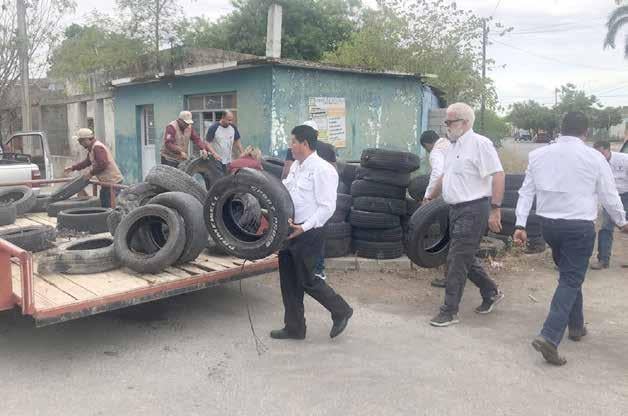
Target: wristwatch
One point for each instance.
(519, 227)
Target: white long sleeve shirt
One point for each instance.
(437, 163)
(568, 178)
(469, 165)
(619, 166)
(312, 186)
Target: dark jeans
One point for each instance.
(572, 244)
(296, 273)
(467, 224)
(105, 195)
(172, 163)
(605, 235)
(319, 267)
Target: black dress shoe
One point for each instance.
(340, 325)
(283, 333)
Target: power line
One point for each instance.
(496, 6)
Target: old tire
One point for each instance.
(175, 180)
(210, 169)
(427, 239)
(146, 216)
(491, 247)
(338, 247)
(343, 201)
(378, 250)
(343, 188)
(368, 188)
(32, 238)
(376, 220)
(8, 214)
(69, 189)
(338, 216)
(22, 197)
(274, 200)
(347, 171)
(387, 177)
(273, 165)
(54, 208)
(83, 256)
(130, 198)
(41, 203)
(417, 186)
(192, 212)
(337, 230)
(376, 204)
(90, 220)
(390, 160)
(386, 235)
(412, 205)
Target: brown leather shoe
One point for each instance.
(549, 352)
(577, 334)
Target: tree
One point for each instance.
(617, 20)
(495, 127)
(43, 22)
(531, 115)
(424, 37)
(572, 99)
(310, 27)
(606, 118)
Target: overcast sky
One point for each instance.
(554, 42)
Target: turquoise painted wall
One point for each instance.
(253, 88)
(383, 112)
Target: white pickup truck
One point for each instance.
(24, 157)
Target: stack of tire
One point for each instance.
(338, 230)
(379, 202)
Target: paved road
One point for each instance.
(195, 354)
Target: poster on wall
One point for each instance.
(329, 113)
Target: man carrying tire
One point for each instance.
(473, 186)
(567, 178)
(221, 137)
(103, 165)
(312, 184)
(437, 148)
(619, 165)
(177, 140)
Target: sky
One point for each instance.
(554, 42)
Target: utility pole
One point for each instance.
(483, 104)
(555, 97)
(22, 45)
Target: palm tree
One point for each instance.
(616, 20)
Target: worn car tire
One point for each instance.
(376, 204)
(54, 208)
(210, 169)
(412, 205)
(130, 198)
(377, 220)
(274, 200)
(346, 171)
(192, 212)
(417, 186)
(168, 253)
(337, 230)
(41, 203)
(69, 189)
(378, 250)
(385, 235)
(338, 247)
(31, 238)
(8, 214)
(368, 188)
(514, 181)
(90, 220)
(343, 188)
(22, 197)
(273, 165)
(175, 180)
(390, 160)
(339, 215)
(387, 177)
(343, 201)
(83, 256)
(423, 247)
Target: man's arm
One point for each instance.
(495, 218)
(609, 197)
(209, 138)
(81, 165)
(100, 161)
(524, 205)
(197, 140)
(437, 162)
(437, 191)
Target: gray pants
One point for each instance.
(467, 225)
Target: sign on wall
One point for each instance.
(329, 113)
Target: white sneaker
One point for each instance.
(320, 275)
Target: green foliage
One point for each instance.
(310, 27)
(606, 117)
(531, 115)
(616, 21)
(495, 127)
(572, 99)
(152, 21)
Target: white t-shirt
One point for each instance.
(222, 139)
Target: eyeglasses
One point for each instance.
(450, 122)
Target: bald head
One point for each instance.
(227, 119)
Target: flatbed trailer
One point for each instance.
(54, 297)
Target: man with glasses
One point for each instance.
(473, 186)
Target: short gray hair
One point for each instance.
(462, 111)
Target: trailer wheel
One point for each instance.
(84, 256)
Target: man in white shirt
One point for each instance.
(567, 178)
(619, 167)
(473, 185)
(312, 183)
(221, 137)
(437, 148)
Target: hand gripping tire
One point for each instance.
(397, 161)
(84, 256)
(175, 180)
(427, 240)
(91, 220)
(32, 238)
(166, 255)
(210, 169)
(22, 197)
(276, 206)
(69, 189)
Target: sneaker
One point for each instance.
(444, 319)
(488, 304)
(320, 275)
(599, 265)
(549, 351)
(439, 282)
